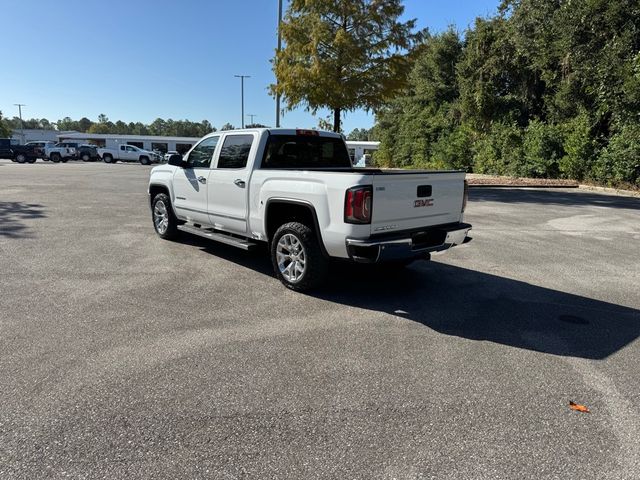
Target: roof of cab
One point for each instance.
(283, 131)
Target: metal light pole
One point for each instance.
(251, 115)
(242, 77)
(20, 105)
(279, 48)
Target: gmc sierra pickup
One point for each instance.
(297, 191)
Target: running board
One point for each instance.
(242, 243)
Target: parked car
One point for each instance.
(40, 148)
(62, 152)
(297, 191)
(17, 153)
(167, 155)
(87, 153)
(128, 153)
(5, 148)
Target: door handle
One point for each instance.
(239, 183)
(202, 180)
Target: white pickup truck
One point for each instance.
(297, 191)
(128, 153)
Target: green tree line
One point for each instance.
(545, 88)
(169, 127)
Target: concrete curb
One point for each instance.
(591, 188)
(613, 191)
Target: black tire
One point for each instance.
(21, 158)
(86, 157)
(107, 158)
(316, 265)
(145, 160)
(55, 157)
(171, 231)
(32, 160)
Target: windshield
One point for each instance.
(305, 151)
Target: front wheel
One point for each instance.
(297, 258)
(165, 222)
(55, 157)
(85, 157)
(145, 161)
(107, 159)
(21, 158)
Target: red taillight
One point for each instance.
(465, 195)
(357, 205)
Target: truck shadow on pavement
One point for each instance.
(12, 216)
(468, 304)
(573, 197)
(480, 306)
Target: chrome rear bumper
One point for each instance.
(418, 244)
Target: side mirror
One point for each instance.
(176, 160)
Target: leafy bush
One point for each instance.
(542, 151)
(579, 147)
(620, 159)
(499, 151)
(454, 149)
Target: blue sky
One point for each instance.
(138, 60)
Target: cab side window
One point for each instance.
(201, 155)
(235, 151)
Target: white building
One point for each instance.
(147, 142)
(358, 149)
(181, 144)
(36, 135)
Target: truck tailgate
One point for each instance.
(411, 200)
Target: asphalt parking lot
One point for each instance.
(126, 356)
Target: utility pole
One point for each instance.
(20, 105)
(279, 48)
(242, 77)
(251, 115)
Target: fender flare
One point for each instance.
(167, 190)
(302, 203)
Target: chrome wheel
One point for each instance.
(160, 217)
(291, 258)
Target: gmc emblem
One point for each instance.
(423, 202)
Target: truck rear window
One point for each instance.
(302, 151)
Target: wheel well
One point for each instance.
(156, 189)
(280, 212)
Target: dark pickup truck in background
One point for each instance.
(18, 153)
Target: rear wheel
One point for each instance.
(297, 258)
(55, 157)
(165, 222)
(21, 158)
(86, 157)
